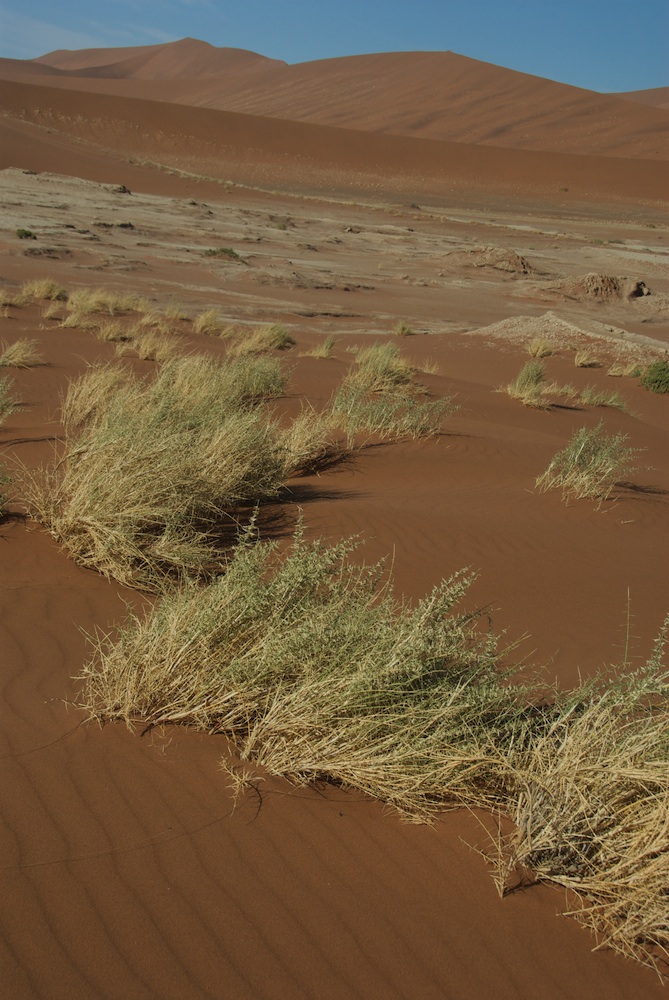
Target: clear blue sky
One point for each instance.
(605, 45)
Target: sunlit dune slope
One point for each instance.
(436, 95)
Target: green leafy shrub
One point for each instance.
(656, 377)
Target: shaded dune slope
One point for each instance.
(435, 95)
(275, 153)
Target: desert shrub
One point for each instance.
(321, 350)
(530, 387)
(277, 655)
(590, 804)
(381, 368)
(274, 337)
(151, 469)
(584, 359)
(599, 397)
(7, 400)
(402, 329)
(222, 252)
(148, 344)
(387, 415)
(43, 289)
(656, 377)
(210, 323)
(620, 368)
(25, 234)
(21, 354)
(540, 348)
(590, 466)
(96, 301)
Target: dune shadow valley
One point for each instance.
(334, 530)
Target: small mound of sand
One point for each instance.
(605, 287)
(497, 258)
(523, 328)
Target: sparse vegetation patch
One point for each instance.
(590, 466)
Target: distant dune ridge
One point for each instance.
(435, 95)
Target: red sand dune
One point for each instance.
(274, 153)
(657, 97)
(435, 95)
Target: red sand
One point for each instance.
(126, 872)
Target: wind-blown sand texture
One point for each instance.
(126, 869)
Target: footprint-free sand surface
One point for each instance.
(127, 870)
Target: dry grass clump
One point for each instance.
(6, 300)
(210, 323)
(149, 345)
(7, 400)
(100, 301)
(151, 469)
(584, 359)
(42, 289)
(274, 337)
(591, 806)
(620, 368)
(538, 347)
(322, 350)
(599, 397)
(112, 331)
(530, 386)
(590, 466)
(381, 368)
(387, 415)
(402, 329)
(277, 655)
(7, 407)
(21, 354)
(379, 397)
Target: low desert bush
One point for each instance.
(226, 252)
(656, 377)
(152, 468)
(210, 323)
(599, 397)
(7, 400)
(402, 329)
(540, 348)
(620, 368)
(590, 466)
(274, 337)
(590, 805)
(584, 359)
(42, 289)
(95, 301)
(149, 345)
(21, 354)
(530, 386)
(387, 415)
(381, 368)
(322, 350)
(277, 654)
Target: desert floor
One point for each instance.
(127, 871)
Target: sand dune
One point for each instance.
(657, 97)
(274, 153)
(435, 95)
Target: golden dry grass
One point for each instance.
(21, 354)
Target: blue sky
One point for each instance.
(604, 45)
